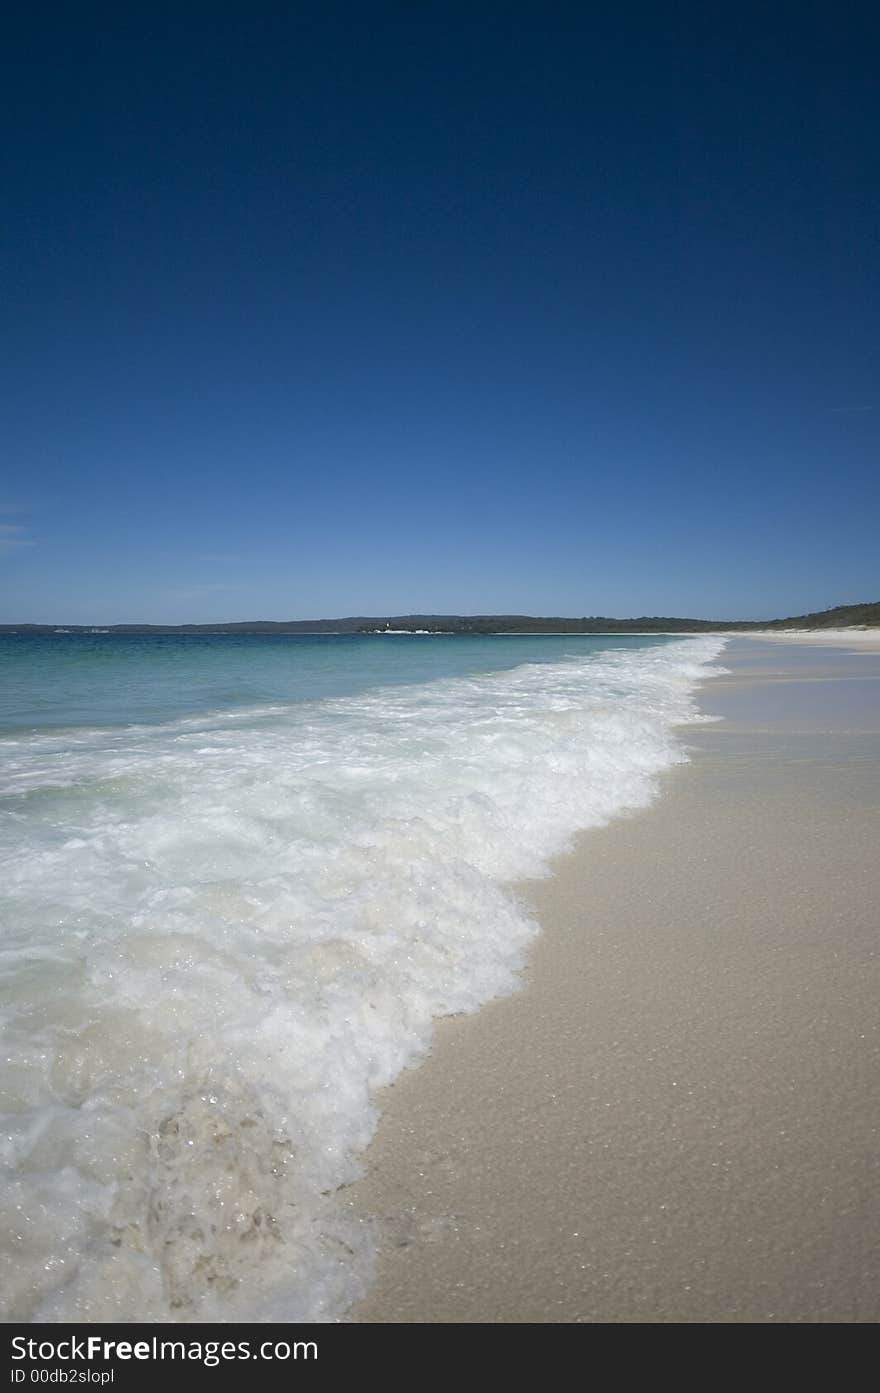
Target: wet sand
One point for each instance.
(678, 1118)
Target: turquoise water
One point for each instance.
(111, 679)
(239, 878)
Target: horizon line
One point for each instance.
(364, 619)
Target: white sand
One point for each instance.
(858, 640)
(678, 1118)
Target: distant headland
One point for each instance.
(843, 616)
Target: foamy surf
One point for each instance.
(227, 934)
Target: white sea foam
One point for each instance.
(226, 934)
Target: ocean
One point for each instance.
(239, 877)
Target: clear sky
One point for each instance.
(323, 309)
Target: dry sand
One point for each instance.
(858, 640)
(678, 1118)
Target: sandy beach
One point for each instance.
(677, 1118)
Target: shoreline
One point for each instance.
(673, 1119)
(822, 636)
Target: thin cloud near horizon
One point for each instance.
(13, 538)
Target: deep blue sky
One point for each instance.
(321, 309)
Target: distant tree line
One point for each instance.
(840, 617)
